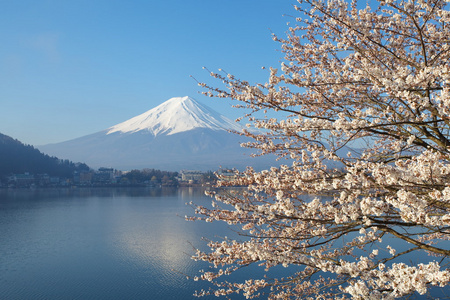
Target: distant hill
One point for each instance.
(181, 133)
(16, 158)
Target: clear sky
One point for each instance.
(72, 68)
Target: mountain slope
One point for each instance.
(15, 157)
(176, 115)
(178, 134)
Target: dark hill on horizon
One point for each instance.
(17, 158)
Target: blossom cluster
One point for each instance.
(358, 116)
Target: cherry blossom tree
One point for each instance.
(359, 118)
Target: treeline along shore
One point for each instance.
(109, 177)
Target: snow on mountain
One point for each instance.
(179, 134)
(177, 114)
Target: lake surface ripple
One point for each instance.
(100, 243)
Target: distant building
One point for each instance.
(191, 175)
(56, 180)
(21, 180)
(104, 175)
(42, 179)
(227, 174)
(85, 177)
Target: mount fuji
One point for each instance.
(181, 133)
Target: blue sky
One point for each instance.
(71, 68)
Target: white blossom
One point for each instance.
(358, 116)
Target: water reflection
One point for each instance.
(99, 243)
(101, 192)
(158, 236)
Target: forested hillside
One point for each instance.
(15, 157)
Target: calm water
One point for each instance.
(106, 244)
(100, 243)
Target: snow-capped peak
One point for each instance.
(177, 114)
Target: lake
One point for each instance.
(108, 244)
(100, 243)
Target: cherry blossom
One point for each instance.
(358, 116)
